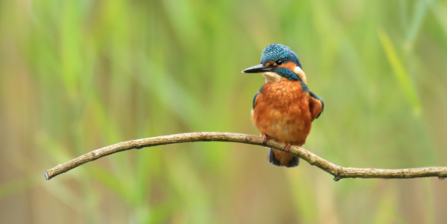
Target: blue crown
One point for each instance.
(275, 52)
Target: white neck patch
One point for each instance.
(271, 76)
(300, 74)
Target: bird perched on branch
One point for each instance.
(284, 107)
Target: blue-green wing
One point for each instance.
(256, 95)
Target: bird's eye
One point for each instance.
(278, 62)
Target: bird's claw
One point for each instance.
(265, 138)
(287, 148)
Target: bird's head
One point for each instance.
(277, 62)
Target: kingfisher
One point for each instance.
(284, 107)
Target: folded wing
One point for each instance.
(316, 105)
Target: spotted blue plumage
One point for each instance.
(275, 52)
(278, 52)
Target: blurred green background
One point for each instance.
(79, 75)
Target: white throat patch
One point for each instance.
(271, 76)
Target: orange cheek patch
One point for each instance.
(290, 65)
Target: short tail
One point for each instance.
(272, 159)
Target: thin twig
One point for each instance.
(338, 172)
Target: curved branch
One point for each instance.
(338, 172)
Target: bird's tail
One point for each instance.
(293, 162)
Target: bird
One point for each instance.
(284, 107)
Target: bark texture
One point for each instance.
(337, 171)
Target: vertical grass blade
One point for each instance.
(399, 70)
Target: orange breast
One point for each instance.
(282, 112)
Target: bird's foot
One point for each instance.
(287, 148)
(265, 138)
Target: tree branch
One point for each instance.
(338, 172)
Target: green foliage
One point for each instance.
(80, 75)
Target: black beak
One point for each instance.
(257, 69)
